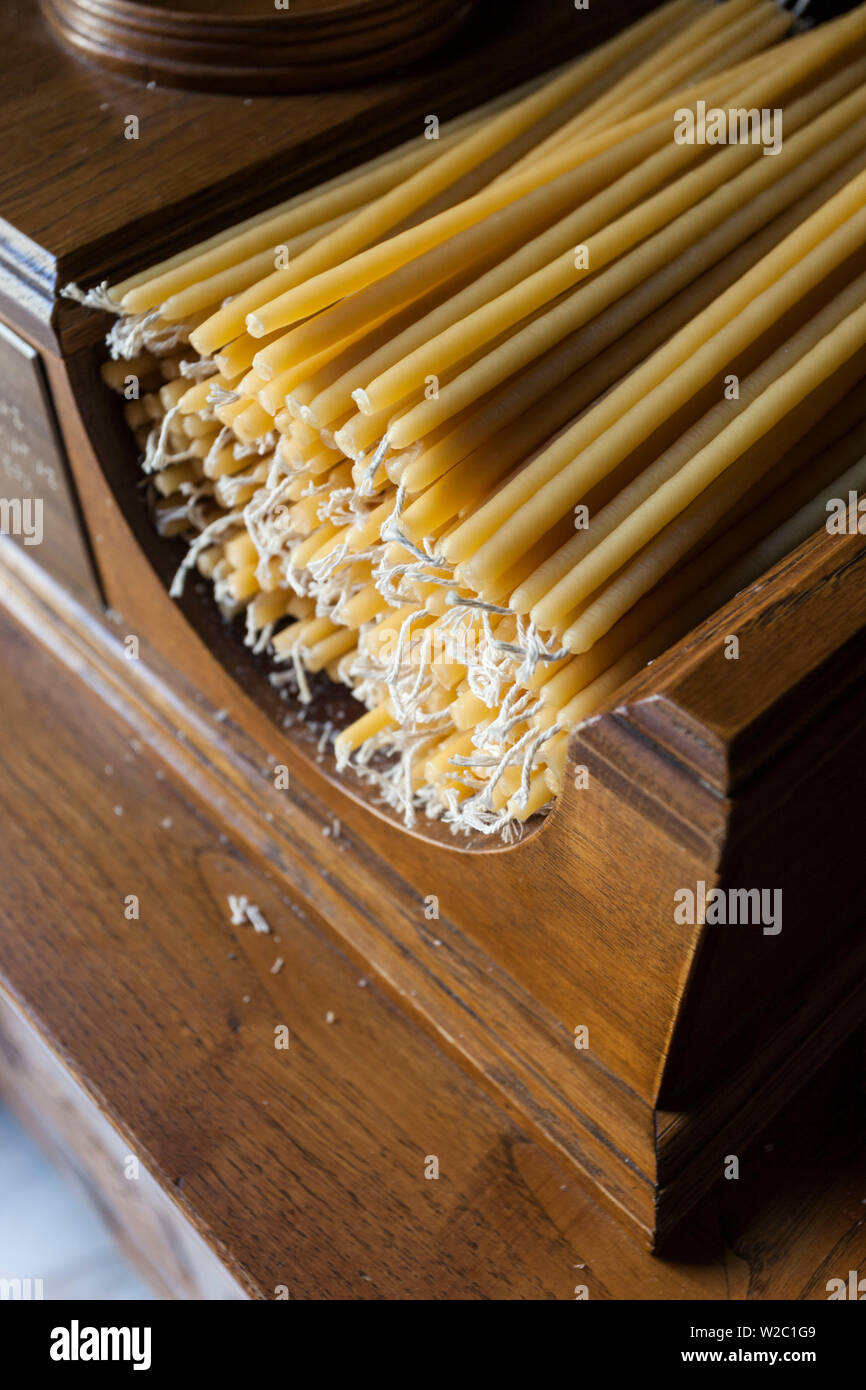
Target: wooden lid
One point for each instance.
(257, 45)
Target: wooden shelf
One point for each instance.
(698, 1037)
(302, 1167)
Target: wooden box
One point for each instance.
(645, 1051)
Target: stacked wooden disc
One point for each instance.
(256, 45)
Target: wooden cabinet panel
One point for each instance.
(38, 508)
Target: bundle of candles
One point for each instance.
(482, 427)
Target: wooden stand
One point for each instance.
(741, 775)
(257, 45)
(301, 1169)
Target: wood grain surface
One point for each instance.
(87, 1151)
(305, 1167)
(34, 471)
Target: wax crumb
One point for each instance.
(277, 965)
(166, 822)
(330, 1016)
(362, 983)
(243, 910)
(221, 716)
(256, 919)
(436, 941)
(109, 770)
(238, 909)
(118, 810)
(246, 999)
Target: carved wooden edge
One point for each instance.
(692, 1146)
(802, 634)
(475, 1011)
(68, 538)
(785, 708)
(637, 768)
(714, 755)
(27, 285)
(789, 799)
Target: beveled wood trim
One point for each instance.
(802, 634)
